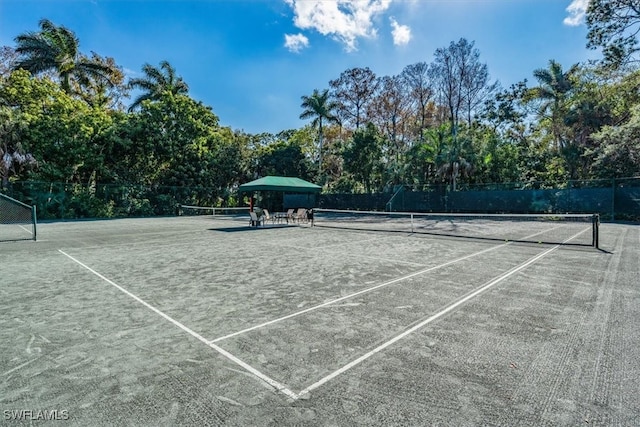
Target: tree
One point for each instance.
(497, 159)
(8, 59)
(420, 163)
(390, 112)
(362, 156)
(389, 109)
(354, 91)
(178, 142)
(554, 87)
(13, 157)
(617, 153)
(476, 88)
(319, 107)
(452, 156)
(100, 93)
(460, 78)
(56, 48)
(613, 26)
(421, 91)
(505, 111)
(156, 82)
(69, 139)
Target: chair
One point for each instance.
(267, 217)
(290, 215)
(301, 214)
(255, 221)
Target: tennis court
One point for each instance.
(206, 321)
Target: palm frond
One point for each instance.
(138, 101)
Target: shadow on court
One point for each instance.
(249, 228)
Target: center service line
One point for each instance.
(333, 301)
(432, 318)
(391, 282)
(278, 386)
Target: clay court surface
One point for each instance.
(200, 321)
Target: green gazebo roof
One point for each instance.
(280, 183)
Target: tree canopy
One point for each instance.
(442, 123)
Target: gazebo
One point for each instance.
(282, 184)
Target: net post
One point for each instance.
(595, 220)
(412, 222)
(34, 221)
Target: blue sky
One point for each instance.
(252, 60)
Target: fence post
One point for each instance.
(34, 221)
(613, 199)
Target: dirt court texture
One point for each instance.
(199, 321)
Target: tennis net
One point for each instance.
(566, 229)
(218, 213)
(17, 220)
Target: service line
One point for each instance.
(436, 316)
(364, 291)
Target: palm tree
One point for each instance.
(55, 49)
(156, 82)
(555, 84)
(451, 155)
(320, 108)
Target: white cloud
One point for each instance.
(577, 12)
(344, 20)
(401, 33)
(295, 42)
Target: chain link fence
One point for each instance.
(613, 199)
(17, 220)
(70, 201)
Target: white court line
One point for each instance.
(19, 367)
(25, 229)
(275, 384)
(364, 291)
(417, 273)
(316, 307)
(432, 318)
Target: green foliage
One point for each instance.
(156, 82)
(176, 141)
(13, 157)
(618, 151)
(63, 133)
(321, 109)
(56, 49)
(91, 158)
(362, 157)
(613, 26)
(498, 159)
